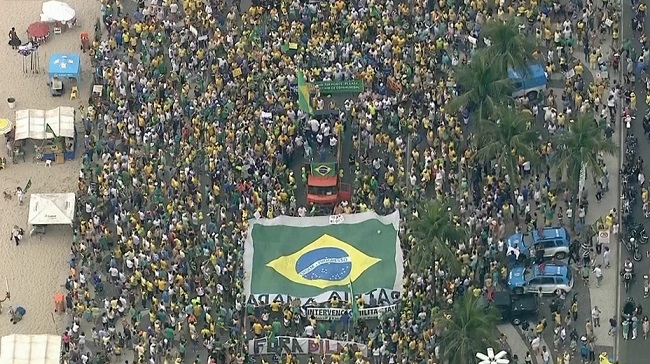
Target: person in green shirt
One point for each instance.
(181, 348)
(276, 326)
(585, 275)
(169, 334)
(515, 359)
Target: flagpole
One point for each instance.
(347, 331)
(353, 306)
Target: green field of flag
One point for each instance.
(312, 257)
(323, 169)
(304, 98)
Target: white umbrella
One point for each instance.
(57, 11)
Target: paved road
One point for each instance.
(638, 351)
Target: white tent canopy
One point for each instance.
(32, 123)
(53, 11)
(51, 208)
(30, 349)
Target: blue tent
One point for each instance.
(65, 65)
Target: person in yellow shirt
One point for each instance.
(335, 358)
(258, 329)
(334, 302)
(578, 69)
(275, 306)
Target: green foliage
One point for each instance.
(509, 47)
(468, 328)
(436, 236)
(484, 87)
(508, 135)
(582, 144)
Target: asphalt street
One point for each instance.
(637, 351)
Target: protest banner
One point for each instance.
(340, 87)
(336, 313)
(301, 345)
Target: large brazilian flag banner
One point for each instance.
(315, 259)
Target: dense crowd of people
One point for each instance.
(198, 127)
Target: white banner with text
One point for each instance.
(301, 345)
(337, 313)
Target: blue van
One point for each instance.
(528, 84)
(554, 240)
(550, 278)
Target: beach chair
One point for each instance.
(74, 92)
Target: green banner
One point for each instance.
(315, 258)
(323, 169)
(340, 87)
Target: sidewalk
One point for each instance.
(517, 344)
(605, 296)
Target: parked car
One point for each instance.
(528, 84)
(516, 308)
(551, 278)
(554, 241)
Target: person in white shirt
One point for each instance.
(82, 279)
(115, 274)
(595, 316)
(641, 179)
(333, 143)
(598, 272)
(513, 250)
(309, 331)
(20, 194)
(17, 234)
(302, 211)
(606, 257)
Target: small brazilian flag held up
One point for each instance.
(317, 258)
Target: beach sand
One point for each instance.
(35, 271)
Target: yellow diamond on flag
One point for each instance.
(324, 170)
(325, 262)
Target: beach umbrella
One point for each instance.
(58, 11)
(38, 29)
(5, 126)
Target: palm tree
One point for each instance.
(484, 88)
(580, 146)
(434, 235)
(468, 328)
(509, 47)
(506, 137)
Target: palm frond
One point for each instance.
(509, 47)
(505, 137)
(582, 144)
(436, 237)
(466, 329)
(484, 87)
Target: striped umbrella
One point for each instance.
(5, 126)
